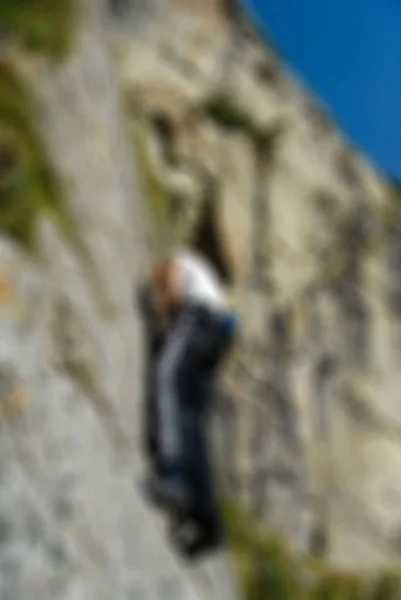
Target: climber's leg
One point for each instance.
(171, 488)
(205, 511)
(187, 368)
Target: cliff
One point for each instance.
(312, 228)
(127, 126)
(73, 524)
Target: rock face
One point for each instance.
(313, 405)
(73, 524)
(308, 427)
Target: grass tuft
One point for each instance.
(27, 185)
(270, 571)
(38, 25)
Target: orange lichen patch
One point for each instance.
(16, 404)
(8, 292)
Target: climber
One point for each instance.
(190, 296)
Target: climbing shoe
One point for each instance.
(195, 545)
(169, 492)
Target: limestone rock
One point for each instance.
(308, 426)
(313, 231)
(73, 521)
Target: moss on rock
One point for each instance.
(388, 586)
(270, 571)
(44, 25)
(230, 117)
(27, 184)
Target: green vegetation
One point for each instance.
(388, 587)
(229, 116)
(27, 186)
(44, 25)
(232, 118)
(270, 571)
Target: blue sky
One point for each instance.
(349, 53)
